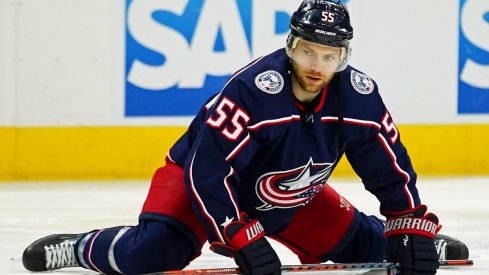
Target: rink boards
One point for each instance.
(135, 152)
(106, 97)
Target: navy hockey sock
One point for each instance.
(95, 250)
(148, 247)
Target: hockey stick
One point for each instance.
(294, 268)
(392, 267)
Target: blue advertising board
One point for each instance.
(180, 52)
(473, 67)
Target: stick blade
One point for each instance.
(339, 268)
(453, 263)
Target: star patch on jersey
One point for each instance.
(270, 82)
(292, 188)
(362, 83)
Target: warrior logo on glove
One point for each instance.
(412, 223)
(407, 224)
(410, 242)
(254, 230)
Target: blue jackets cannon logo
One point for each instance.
(291, 188)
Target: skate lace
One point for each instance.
(60, 255)
(441, 249)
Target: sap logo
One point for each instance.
(474, 57)
(185, 41)
(180, 52)
(475, 27)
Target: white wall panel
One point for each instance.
(62, 61)
(411, 49)
(5, 61)
(67, 62)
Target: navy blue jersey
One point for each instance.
(254, 148)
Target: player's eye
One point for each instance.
(307, 52)
(329, 58)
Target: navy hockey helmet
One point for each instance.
(324, 22)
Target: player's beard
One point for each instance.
(309, 80)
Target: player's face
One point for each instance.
(314, 65)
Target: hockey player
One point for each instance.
(254, 163)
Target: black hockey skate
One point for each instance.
(449, 248)
(51, 252)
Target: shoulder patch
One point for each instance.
(362, 83)
(270, 82)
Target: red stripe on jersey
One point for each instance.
(299, 105)
(231, 195)
(272, 122)
(398, 169)
(363, 122)
(201, 204)
(354, 121)
(89, 255)
(323, 97)
(283, 120)
(241, 70)
(168, 157)
(238, 148)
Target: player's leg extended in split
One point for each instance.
(331, 228)
(342, 234)
(169, 235)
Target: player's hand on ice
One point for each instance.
(410, 242)
(246, 243)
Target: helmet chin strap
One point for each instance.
(342, 54)
(295, 41)
(291, 45)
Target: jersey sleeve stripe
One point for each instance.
(231, 196)
(201, 203)
(240, 71)
(238, 148)
(169, 157)
(212, 101)
(277, 121)
(352, 121)
(363, 122)
(282, 120)
(398, 169)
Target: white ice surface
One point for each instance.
(30, 210)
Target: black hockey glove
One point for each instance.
(410, 242)
(246, 243)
